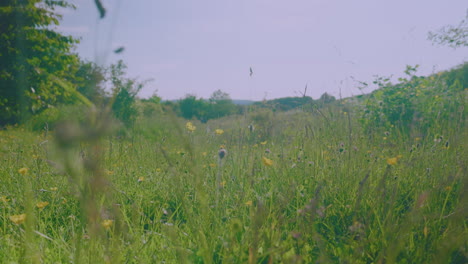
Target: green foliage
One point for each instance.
(287, 103)
(452, 36)
(191, 107)
(32, 58)
(416, 103)
(89, 81)
(124, 94)
(150, 107)
(51, 117)
(219, 105)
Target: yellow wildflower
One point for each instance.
(109, 172)
(23, 171)
(212, 165)
(190, 127)
(41, 205)
(248, 203)
(18, 219)
(222, 184)
(392, 161)
(107, 223)
(53, 189)
(204, 154)
(158, 170)
(264, 142)
(140, 179)
(4, 199)
(266, 161)
(219, 131)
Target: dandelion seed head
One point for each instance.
(222, 153)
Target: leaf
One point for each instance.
(101, 9)
(119, 50)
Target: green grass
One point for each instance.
(329, 197)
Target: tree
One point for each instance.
(36, 63)
(89, 81)
(191, 107)
(124, 93)
(220, 105)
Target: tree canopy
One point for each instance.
(36, 62)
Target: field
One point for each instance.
(301, 187)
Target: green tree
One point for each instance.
(191, 107)
(89, 81)
(220, 104)
(36, 63)
(124, 93)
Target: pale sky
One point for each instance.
(199, 46)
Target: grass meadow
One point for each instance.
(301, 187)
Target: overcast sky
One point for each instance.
(199, 46)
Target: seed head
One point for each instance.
(222, 153)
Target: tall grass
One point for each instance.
(332, 195)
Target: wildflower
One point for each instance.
(219, 131)
(204, 154)
(35, 156)
(4, 199)
(190, 127)
(392, 161)
(248, 203)
(417, 139)
(158, 170)
(222, 184)
(23, 171)
(109, 172)
(222, 153)
(267, 151)
(107, 223)
(212, 165)
(267, 162)
(140, 179)
(53, 189)
(18, 219)
(41, 205)
(264, 142)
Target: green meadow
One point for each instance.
(303, 186)
(91, 173)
